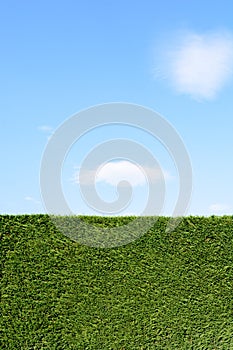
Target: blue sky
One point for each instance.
(60, 57)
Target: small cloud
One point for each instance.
(45, 128)
(31, 199)
(199, 64)
(112, 173)
(219, 208)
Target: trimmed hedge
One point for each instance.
(163, 291)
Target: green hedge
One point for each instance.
(163, 291)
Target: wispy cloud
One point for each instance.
(219, 208)
(114, 172)
(45, 128)
(48, 130)
(31, 199)
(199, 64)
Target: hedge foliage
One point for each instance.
(166, 290)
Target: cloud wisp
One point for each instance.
(47, 130)
(31, 199)
(199, 65)
(219, 208)
(112, 173)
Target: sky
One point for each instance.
(61, 57)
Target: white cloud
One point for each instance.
(113, 172)
(45, 128)
(31, 199)
(199, 64)
(219, 207)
